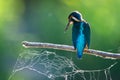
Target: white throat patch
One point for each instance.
(74, 18)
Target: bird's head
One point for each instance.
(73, 17)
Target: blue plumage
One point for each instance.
(80, 32)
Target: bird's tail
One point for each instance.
(79, 53)
(80, 50)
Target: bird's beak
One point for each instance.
(67, 26)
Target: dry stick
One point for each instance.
(99, 53)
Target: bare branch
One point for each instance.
(99, 53)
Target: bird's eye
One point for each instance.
(69, 17)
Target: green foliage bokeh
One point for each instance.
(45, 20)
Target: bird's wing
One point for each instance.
(87, 34)
(74, 36)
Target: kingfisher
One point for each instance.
(80, 32)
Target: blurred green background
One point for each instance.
(45, 20)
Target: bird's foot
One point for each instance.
(86, 48)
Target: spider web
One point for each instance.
(45, 65)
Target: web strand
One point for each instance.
(52, 67)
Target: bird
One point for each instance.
(80, 32)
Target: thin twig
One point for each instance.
(99, 53)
